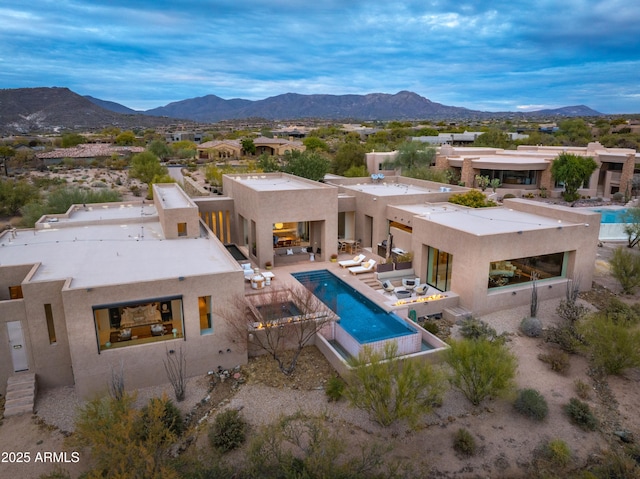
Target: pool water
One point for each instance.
(360, 317)
(235, 252)
(612, 215)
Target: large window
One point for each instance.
(512, 177)
(523, 270)
(440, 264)
(145, 321)
(291, 234)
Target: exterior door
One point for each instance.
(17, 346)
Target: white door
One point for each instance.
(17, 346)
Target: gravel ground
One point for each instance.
(58, 406)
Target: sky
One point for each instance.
(490, 55)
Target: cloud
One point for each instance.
(496, 55)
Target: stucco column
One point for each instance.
(442, 162)
(468, 173)
(546, 179)
(626, 177)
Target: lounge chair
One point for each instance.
(366, 267)
(350, 263)
(388, 286)
(421, 289)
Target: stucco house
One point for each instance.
(130, 283)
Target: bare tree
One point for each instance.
(116, 386)
(280, 323)
(176, 367)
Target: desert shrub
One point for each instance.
(228, 430)
(508, 195)
(432, 327)
(334, 388)
(464, 442)
(301, 446)
(531, 327)
(557, 360)
(390, 389)
(57, 473)
(566, 337)
(557, 452)
(620, 312)
(580, 414)
(611, 346)
(583, 390)
(571, 310)
(110, 429)
(625, 268)
(616, 465)
(171, 417)
(472, 199)
(532, 404)
(617, 196)
(481, 368)
(473, 328)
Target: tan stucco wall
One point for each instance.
(317, 205)
(472, 255)
(143, 363)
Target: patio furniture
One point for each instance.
(349, 263)
(403, 294)
(410, 283)
(421, 289)
(388, 286)
(366, 267)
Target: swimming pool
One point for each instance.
(617, 215)
(364, 320)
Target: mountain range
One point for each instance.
(24, 110)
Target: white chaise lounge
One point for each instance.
(350, 263)
(366, 267)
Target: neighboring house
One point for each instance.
(175, 136)
(88, 152)
(219, 150)
(461, 139)
(528, 168)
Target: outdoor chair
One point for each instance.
(388, 286)
(410, 284)
(421, 289)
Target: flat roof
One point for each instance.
(172, 196)
(98, 253)
(391, 188)
(278, 182)
(484, 221)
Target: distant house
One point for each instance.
(87, 152)
(232, 149)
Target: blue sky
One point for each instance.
(485, 55)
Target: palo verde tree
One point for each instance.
(481, 368)
(145, 167)
(307, 164)
(272, 328)
(572, 170)
(412, 157)
(390, 388)
(248, 146)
